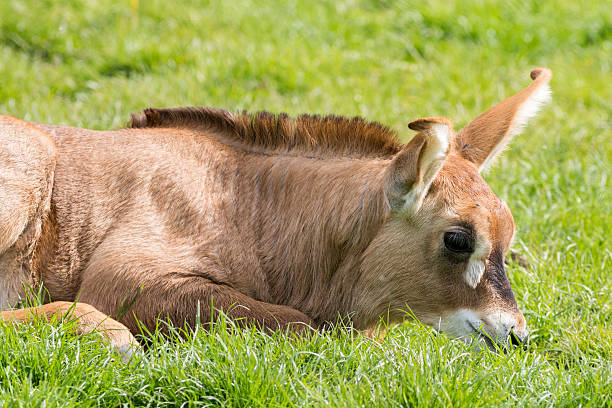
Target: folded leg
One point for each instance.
(177, 298)
(88, 320)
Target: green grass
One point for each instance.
(91, 63)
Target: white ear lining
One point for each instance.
(437, 144)
(527, 110)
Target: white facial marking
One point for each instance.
(476, 265)
(528, 109)
(474, 272)
(464, 324)
(500, 324)
(459, 324)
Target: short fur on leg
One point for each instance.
(88, 320)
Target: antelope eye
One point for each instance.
(459, 242)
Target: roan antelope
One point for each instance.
(278, 222)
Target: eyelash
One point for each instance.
(459, 242)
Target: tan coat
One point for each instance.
(278, 222)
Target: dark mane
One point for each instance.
(325, 136)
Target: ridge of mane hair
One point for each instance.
(325, 136)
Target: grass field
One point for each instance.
(91, 63)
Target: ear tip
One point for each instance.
(542, 72)
(427, 123)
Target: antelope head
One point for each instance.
(440, 252)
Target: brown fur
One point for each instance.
(278, 222)
(307, 135)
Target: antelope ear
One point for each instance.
(483, 139)
(408, 177)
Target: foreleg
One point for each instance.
(88, 320)
(178, 300)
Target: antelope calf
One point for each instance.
(278, 222)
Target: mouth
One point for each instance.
(475, 329)
(501, 345)
(485, 337)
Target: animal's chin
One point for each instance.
(470, 329)
(479, 339)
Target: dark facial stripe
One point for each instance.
(497, 278)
